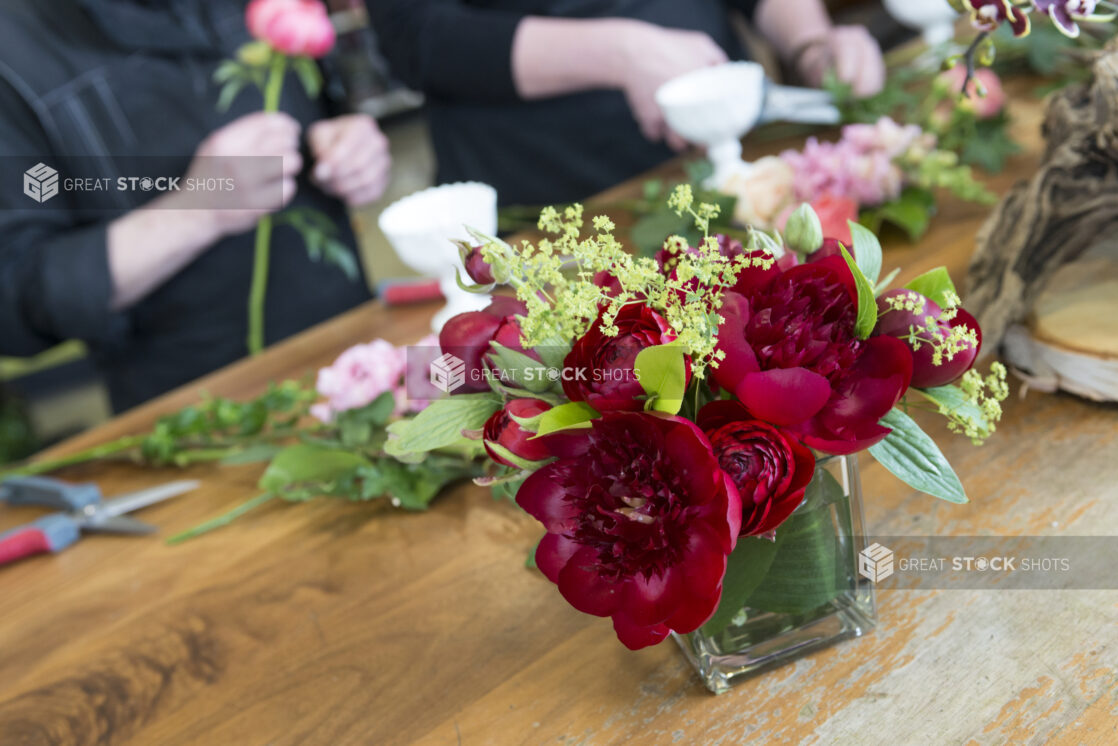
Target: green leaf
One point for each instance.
(337, 254)
(804, 575)
(521, 463)
(867, 303)
(229, 93)
(441, 424)
(867, 251)
(313, 466)
(254, 454)
(413, 486)
(935, 285)
(746, 568)
(357, 427)
(309, 75)
(911, 212)
(916, 460)
(884, 284)
(519, 370)
(565, 416)
(662, 373)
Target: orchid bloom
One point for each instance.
(1066, 13)
(987, 15)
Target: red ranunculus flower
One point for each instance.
(640, 520)
(925, 374)
(793, 360)
(770, 468)
(507, 432)
(467, 337)
(599, 369)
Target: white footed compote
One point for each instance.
(716, 107)
(424, 227)
(934, 19)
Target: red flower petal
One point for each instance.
(542, 497)
(867, 436)
(553, 553)
(635, 636)
(585, 589)
(784, 396)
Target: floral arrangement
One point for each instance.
(289, 35)
(659, 415)
(883, 171)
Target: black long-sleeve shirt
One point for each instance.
(88, 85)
(562, 149)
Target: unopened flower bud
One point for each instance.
(804, 232)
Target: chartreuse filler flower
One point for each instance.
(690, 399)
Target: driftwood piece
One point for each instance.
(1069, 204)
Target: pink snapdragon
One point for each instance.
(861, 166)
(298, 28)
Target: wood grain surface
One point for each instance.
(336, 623)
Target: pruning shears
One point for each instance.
(82, 508)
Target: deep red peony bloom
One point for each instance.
(502, 429)
(925, 374)
(640, 520)
(599, 369)
(467, 337)
(793, 360)
(770, 468)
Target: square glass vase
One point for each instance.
(802, 589)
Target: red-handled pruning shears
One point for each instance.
(82, 509)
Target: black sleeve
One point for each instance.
(55, 282)
(447, 49)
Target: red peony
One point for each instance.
(467, 337)
(599, 369)
(640, 520)
(793, 360)
(770, 469)
(297, 28)
(925, 373)
(503, 430)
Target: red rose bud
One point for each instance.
(793, 359)
(769, 468)
(600, 369)
(467, 337)
(894, 322)
(477, 268)
(640, 520)
(504, 431)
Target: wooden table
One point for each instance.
(337, 623)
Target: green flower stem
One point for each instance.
(272, 93)
(90, 454)
(221, 521)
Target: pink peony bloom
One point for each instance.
(985, 107)
(360, 375)
(297, 28)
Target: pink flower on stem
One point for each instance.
(297, 28)
(360, 375)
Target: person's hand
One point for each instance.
(352, 159)
(243, 153)
(650, 56)
(852, 53)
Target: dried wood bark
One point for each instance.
(1069, 204)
